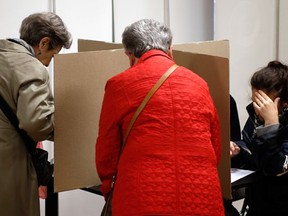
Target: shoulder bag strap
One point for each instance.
(146, 100)
(139, 110)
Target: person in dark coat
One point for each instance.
(264, 144)
(235, 129)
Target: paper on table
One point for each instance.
(237, 174)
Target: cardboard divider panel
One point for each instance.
(80, 80)
(79, 89)
(90, 45)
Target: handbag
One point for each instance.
(107, 209)
(44, 169)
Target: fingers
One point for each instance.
(234, 149)
(266, 108)
(262, 95)
(262, 99)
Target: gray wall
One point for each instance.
(251, 26)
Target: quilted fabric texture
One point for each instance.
(169, 164)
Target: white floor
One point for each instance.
(238, 204)
(78, 202)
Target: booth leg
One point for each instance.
(51, 202)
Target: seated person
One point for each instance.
(264, 144)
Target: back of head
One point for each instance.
(46, 24)
(272, 78)
(145, 35)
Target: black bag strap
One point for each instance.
(30, 143)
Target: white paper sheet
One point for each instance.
(237, 174)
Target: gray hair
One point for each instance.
(46, 24)
(145, 35)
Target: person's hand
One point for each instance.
(234, 149)
(265, 108)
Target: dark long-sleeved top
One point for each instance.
(264, 150)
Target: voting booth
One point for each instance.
(79, 82)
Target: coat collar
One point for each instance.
(152, 53)
(250, 110)
(24, 44)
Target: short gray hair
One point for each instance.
(144, 35)
(46, 24)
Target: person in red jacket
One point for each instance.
(169, 163)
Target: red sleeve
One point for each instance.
(109, 140)
(215, 135)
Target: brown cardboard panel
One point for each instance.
(79, 88)
(90, 45)
(215, 70)
(214, 48)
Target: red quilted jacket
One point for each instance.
(169, 164)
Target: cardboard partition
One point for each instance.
(80, 79)
(214, 48)
(79, 82)
(90, 45)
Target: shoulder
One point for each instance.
(122, 79)
(191, 79)
(27, 68)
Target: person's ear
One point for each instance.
(44, 43)
(132, 59)
(170, 52)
